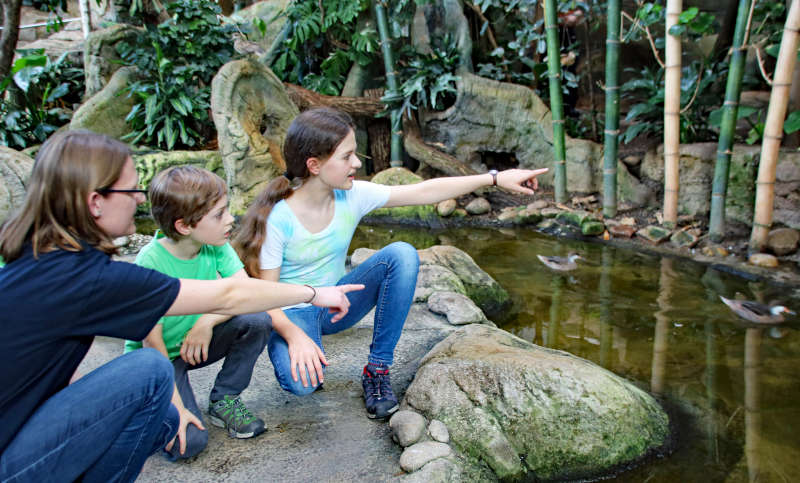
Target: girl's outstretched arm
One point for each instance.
(438, 189)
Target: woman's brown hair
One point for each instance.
(55, 214)
(315, 133)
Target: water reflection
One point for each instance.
(732, 391)
(752, 402)
(604, 318)
(556, 286)
(661, 337)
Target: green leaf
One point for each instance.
(178, 106)
(792, 123)
(715, 118)
(150, 111)
(773, 50)
(26, 76)
(677, 30)
(58, 92)
(633, 131)
(688, 15)
(637, 110)
(746, 111)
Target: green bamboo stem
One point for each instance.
(730, 109)
(556, 102)
(611, 139)
(396, 151)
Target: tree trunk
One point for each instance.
(355, 106)
(672, 107)
(773, 129)
(379, 134)
(729, 114)
(556, 102)
(434, 158)
(391, 82)
(9, 35)
(611, 138)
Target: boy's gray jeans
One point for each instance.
(240, 340)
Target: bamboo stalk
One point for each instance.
(773, 129)
(672, 107)
(730, 109)
(556, 101)
(611, 138)
(83, 7)
(396, 158)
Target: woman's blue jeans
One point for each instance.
(389, 276)
(100, 428)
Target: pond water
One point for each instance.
(731, 390)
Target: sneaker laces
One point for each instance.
(241, 415)
(380, 382)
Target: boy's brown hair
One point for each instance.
(184, 192)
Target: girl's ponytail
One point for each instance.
(252, 232)
(314, 133)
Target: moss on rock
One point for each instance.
(402, 176)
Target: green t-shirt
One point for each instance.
(211, 263)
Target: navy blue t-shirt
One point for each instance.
(50, 310)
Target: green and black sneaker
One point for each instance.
(231, 414)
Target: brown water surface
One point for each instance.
(732, 391)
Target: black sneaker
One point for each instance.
(231, 414)
(378, 395)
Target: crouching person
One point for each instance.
(190, 206)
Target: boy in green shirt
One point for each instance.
(190, 206)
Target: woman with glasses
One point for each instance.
(60, 288)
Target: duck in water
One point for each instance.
(757, 312)
(563, 264)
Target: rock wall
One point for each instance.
(697, 173)
(499, 117)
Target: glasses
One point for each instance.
(105, 191)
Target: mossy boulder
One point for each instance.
(421, 214)
(100, 57)
(105, 112)
(479, 285)
(445, 268)
(268, 12)
(149, 163)
(531, 412)
(590, 227)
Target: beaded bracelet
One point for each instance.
(313, 290)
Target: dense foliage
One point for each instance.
(177, 60)
(37, 98)
(324, 41)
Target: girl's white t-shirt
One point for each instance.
(318, 259)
